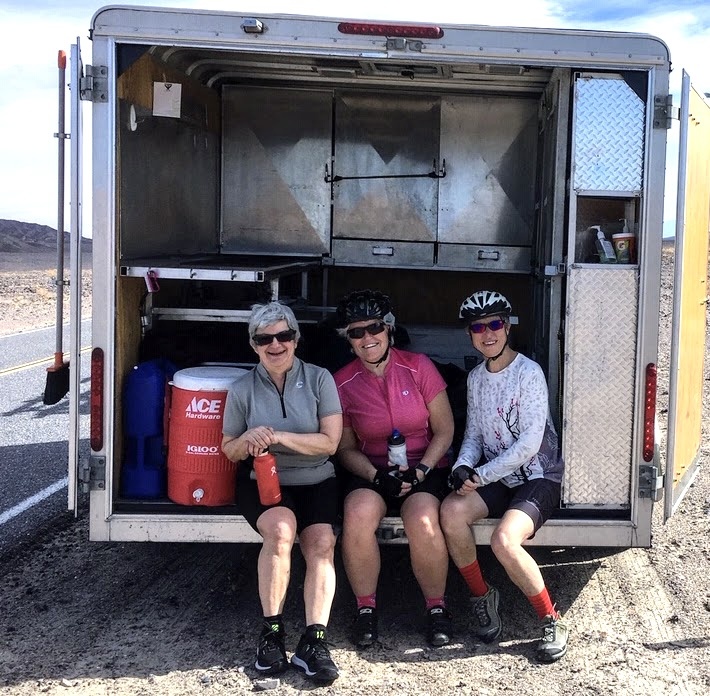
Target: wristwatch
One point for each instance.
(423, 468)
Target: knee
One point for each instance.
(279, 533)
(360, 518)
(422, 525)
(320, 546)
(453, 517)
(503, 544)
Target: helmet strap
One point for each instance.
(384, 357)
(502, 350)
(386, 354)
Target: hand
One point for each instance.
(459, 476)
(387, 484)
(411, 476)
(258, 439)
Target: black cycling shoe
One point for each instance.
(365, 627)
(270, 651)
(439, 626)
(313, 657)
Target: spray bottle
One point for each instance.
(604, 247)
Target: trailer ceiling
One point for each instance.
(217, 68)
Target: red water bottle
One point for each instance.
(267, 478)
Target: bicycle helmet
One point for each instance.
(361, 305)
(484, 303)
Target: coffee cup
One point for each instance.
(624, 247)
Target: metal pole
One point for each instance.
(61, 137)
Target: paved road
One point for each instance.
(33, 437)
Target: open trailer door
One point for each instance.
(77, 73)
(690, 296)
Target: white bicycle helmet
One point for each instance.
(484, 303)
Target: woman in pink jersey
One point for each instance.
(382, 390)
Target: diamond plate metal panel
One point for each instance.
(608, 136)
(600, 356)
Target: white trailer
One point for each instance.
(239, 157)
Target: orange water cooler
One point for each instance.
(198, 471)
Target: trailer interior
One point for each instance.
(299, 176)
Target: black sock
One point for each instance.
(316, 631)
(273, 623)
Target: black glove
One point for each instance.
(460, 475)
(386, 484)
(409, 476)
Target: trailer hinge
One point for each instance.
(94, 85)
(93, 474)
(557, 269)
(663, 111)
(650, 482)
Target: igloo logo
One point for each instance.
(202, 449)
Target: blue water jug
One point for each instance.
(143, 473)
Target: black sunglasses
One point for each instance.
(480, 327)
(373, 329)
(268, 339)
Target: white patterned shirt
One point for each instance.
(508, 423)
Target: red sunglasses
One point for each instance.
(480, 327)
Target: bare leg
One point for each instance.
(363, 511)
(427, 547)
(507, 544)
(278, 528)
(458, 513)
(318, 546)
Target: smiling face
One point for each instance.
(491, 341)
(369, 347)
(275, 356)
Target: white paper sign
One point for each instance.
(166, 99)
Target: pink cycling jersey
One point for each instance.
(374, 406)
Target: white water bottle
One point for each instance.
(397, 450)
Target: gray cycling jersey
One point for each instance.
(309, 395)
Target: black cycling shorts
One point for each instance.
(537, 498)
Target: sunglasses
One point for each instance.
(268, 339)
(373, 329)
(480, 327)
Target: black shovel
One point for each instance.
(58, 374)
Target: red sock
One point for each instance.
(542, 604)
(474, 579)
(434, 601)
(367, 600)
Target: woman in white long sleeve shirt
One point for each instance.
(509, 467)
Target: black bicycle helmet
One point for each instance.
(484, 303)
(361, 305)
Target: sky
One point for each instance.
(33, 31)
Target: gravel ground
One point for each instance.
(28, 291)
(171, 619)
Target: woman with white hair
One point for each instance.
(292, 409)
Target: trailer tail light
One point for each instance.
(410, 31)
(96, 400)
(649, 412)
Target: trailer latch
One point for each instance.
(650, 482)
(92, 475)
(93, 86)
